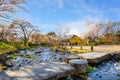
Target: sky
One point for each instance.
(46, 14)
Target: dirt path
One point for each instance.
(105, 48)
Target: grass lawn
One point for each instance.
(77, 50)
(4, 48)
(72, 50)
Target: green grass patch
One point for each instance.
(31, 48)
(55, 48)
(71, 50)
(89, 69)
(29, 56)
(18, 45)
(77, 50)
(12, 56)
(84, 75)
(118, 75)
(4, 48)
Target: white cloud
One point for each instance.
(80, 7)
(74, 31)
(60, 3)
(77, 27)
(48, 3)
(93, 12)
(85, 11)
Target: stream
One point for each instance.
(30, 57)
(107, 70)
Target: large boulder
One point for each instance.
(39, 50)
(94, 57)
(115, 55)
(70, 58)
(8, 63)
(79, 65)
(42, 71)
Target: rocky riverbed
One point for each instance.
(30, 57)
(107, 70)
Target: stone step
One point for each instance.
(70, 58)
(79, 65)
(42, 71)
(94, 57)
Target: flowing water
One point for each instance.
(29, 57)
(108, 70)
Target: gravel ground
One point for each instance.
(103, 48)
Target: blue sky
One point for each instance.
(45, 14)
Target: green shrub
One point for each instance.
(30, 44)
(89, 69)
(4, 48)
(18, 45)
(12, 56)
(118, 75)
(29, 56)
(44, 45)
(77, 50)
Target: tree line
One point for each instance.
(24, 31)
(20, 30)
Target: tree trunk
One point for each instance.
(71, 46)
(92, 48)
(81, 47)
(65, 46)
(62, 46)
(25, 41)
